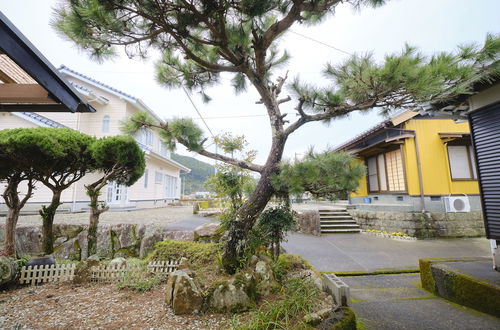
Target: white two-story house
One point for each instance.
(161, 182)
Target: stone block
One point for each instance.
(338, 289)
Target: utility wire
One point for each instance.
(199, 113)
(321, 43)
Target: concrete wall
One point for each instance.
(308, 222)
(422, 225)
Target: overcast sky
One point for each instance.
(431, 25)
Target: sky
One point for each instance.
(431, 25)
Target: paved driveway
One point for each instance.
(365, 252)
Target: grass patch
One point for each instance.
(297, 299)
(141, 281)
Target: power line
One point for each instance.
(321, 43)
(199, 113)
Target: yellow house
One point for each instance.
(416, 163)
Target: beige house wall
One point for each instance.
(118, 109)
(8, 120)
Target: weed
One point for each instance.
(287, 312)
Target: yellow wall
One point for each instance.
(433, 158)
(362, 190)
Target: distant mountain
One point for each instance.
(200, 171)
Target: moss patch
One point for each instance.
(426, 278)
(348, 322)
(375, 272)
(466, 290)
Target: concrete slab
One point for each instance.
(355, 252)
(190, 222)
(482, 270)
(397, 302)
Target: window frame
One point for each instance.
(387, 191)
(105, 124)
(146, 177)
(470, 162)
(158, 177)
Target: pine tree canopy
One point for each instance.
(119, 158)
(329, 175)
(199, 40)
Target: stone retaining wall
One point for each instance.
(422, 225)
(308, 222)
(127, 240)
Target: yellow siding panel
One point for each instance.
(434, 158)
(362, 190)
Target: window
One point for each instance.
(385, 172)
(164, 150)
(158, 177)
(149, 137)
(462, 163)
(145, 136)
(395, 171)
(105, 124)
(145, 178)
(170, 186)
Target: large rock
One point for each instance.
(9, 270)
(83, 271)
(183, 295)
(236, 295)
(123, 240)
(118, 262)
(207, 232)
(265, 277)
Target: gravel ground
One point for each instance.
(96, 306)
(157, 216)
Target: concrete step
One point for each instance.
(332, 210)
(340, 231)
(340, 222)
(339, 226)
(335, 217)
(340, 212)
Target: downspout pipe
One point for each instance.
(419, 165)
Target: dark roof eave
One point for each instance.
(15, 45)
(373, 130)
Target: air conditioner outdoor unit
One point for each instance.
(457, 204)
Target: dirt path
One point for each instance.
(158, 216)
(95, 306)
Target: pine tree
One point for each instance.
(201, 39)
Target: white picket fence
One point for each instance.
(47, 273)
(116, 273)
(103, 273)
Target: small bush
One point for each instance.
(203, 258)
(287, 263)
(274, 222)
(197, 253)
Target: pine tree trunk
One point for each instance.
(249, 212)
(93, 223)
(10, 231)
(48, 214)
